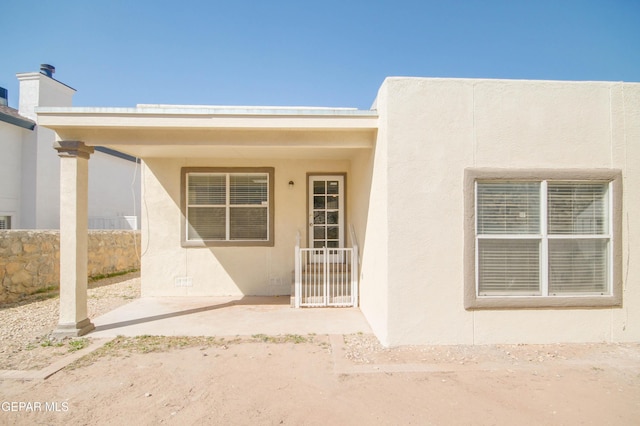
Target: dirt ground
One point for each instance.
(292, 379)
(332, 380)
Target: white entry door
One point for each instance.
(326, 211)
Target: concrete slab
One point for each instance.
(225, 316)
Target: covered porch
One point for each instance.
(290, 149)
(225, 316)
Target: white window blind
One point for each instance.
(542, 238)
(577, 208)
(207, 189)
(509, 208)
(228, 206)
(5, 222)
(509, 267)
(578, 237)
(578, 266)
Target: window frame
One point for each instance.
(472, 299)
(184, 193)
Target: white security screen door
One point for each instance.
(326, 211)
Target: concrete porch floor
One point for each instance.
(224, 316)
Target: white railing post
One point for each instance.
(297, 286)
(355, 267)
(325, 278)
(354, 276)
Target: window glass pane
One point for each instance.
(318, 233)
(508, 267)
(319, 217)
(333, 217)
(206, 223)
(333, 187)
(318, 202)
(333, 232)
(332, 202)
(248, 223)
(318, 187)
(508, 207)
(207, 189)
(577, 208)
(332, 244)
(578, 266)
(248, 189)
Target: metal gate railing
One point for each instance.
(326, 277)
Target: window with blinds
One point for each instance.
(578, 232)
(542, 238)
(229, 206)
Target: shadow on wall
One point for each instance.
(235, 271)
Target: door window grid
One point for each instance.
(326, 205)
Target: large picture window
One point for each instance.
(542, 241)
(228, 206)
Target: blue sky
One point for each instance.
(312, 53)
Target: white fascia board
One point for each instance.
(249, 110)
(225, 118)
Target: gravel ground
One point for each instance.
(25, 326)
(365, 349)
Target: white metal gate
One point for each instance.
(326, 277)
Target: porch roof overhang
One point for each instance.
(217, 131)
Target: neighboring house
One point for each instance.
(30, 167)
(483, 211)
(14, 129)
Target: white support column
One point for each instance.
(74, 168)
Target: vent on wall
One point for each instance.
(183, 282)
(5, 222)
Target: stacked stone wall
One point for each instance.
(30, 260)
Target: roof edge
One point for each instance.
(25, 123)
(211, 111)
(506, 80)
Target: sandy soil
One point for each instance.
(313, 380)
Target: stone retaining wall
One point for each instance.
(30, 260)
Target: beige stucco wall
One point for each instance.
(373, 230)
(223, 270)
(431, 130)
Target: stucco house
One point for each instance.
(30, 169)
(454, 211)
